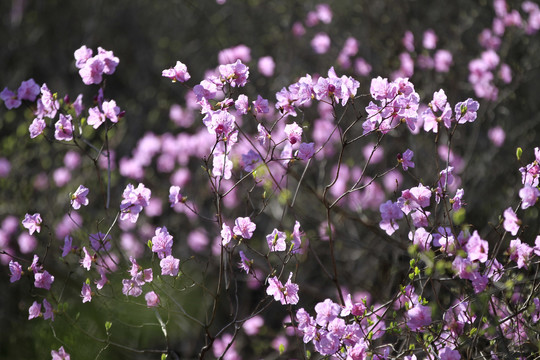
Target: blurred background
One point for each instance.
(38, 41)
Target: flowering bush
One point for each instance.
(337, 216)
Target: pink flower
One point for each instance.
(95, 117)
(442, 60)
(110, 62)
(430, 39)
(32, 223)
(226, 234)
(276, 241)
(135, 199)
(242, 104)
(320, 43)
(511, 222)
(152, 299)
(92, 70)
(169, 266)
(43, 280)
(252, 325)
(266, 66)
(477, 249)
(293, 132)
(178, 73)
(497, 136)
(235, 74)
(244, 227)
(529, 195)
(79, 197)
(86, 293)
(111, 111)
(34, 311)
(82, 55)
(61, 354)
(286, 294)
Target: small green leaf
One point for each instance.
(519, 152)
(108, 325)
(308, 354)
(149, 243)
(163, 356)
(281, 349)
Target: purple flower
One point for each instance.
(32, 222)
(406, 159)
(162, 242)
(306, 151)
(178, 73)
(10, 99)
(86, 261)
(466, 111)
(245, 263)
(418, 317)
(250, 160)
(260, 105)
(226, 234)
(36, 127)
(99, 241)
(175, 196)
(28, 90)
(48, 314)
(135, 199)
(79, 197)
(43, 280)
(169, 266)
(276, 241)
(16, 271)
(86, 293)
(61, 354)
(244, 227)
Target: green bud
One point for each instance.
(519, 152)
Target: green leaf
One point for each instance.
(108, 325)
(149, 243)
(281, 349)
(519, 152)
(163, 356)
